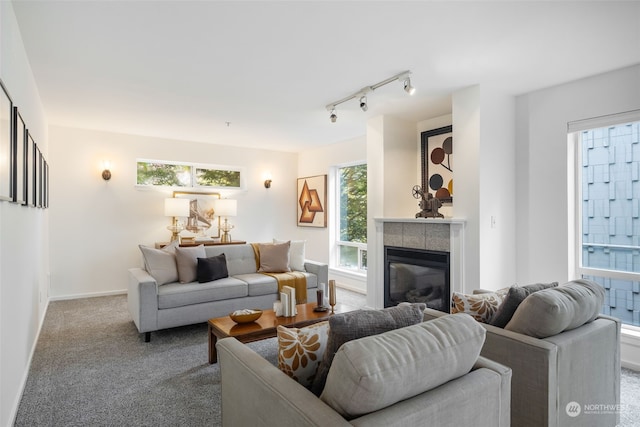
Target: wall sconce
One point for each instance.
(267, 180)
(106, 173)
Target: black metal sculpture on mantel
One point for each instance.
(428, 204)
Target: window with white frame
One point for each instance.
(607, 188)
(193, 175)
(351, 207)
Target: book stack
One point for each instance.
(288, 299)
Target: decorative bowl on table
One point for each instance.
(245, 316)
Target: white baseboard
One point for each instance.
(88, 295)
(350, 281)
(630, 349)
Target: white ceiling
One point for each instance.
(182, 69)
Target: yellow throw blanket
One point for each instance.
(294, 279)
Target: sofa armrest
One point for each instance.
(253, 390)
(505, 374)
(320, 269)
(142, 299)
(430, 314)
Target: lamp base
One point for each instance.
(225, 238)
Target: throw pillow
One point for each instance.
(212, 268)
(187, 262)
(377, 371)
(512, 300)
(296, 254)
(274, 257)
(300, 351)
(481, 307)
(551, 311)
(349, 326)
(161, 263)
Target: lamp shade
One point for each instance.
(176, 207)
(225, 207)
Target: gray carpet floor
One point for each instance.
(92, 368)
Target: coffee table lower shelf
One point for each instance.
(265, 327)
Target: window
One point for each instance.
(351, 239)
(178, 174)
(608, 211)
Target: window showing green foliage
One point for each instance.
(217, 178)
(353, 203)
(174, 174)
(352, 207)
(150, 173)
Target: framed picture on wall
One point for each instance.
(437, 163)
(312, 201)
(31, 170)
(6, 144)
(20, 159)
(202, 216)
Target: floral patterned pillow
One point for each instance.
(481, 307)
(300, 351)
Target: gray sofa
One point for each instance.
(154, 307)
(425, 374)
(578, 366)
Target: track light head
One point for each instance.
(407, 86)
(363, 103)
(333, 116)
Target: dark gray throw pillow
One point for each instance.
(363, 323)
(514, 297)
(212, 268)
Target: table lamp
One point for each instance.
(225, 208)
(176, 208)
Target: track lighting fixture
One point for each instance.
(407, 86)
(333, 116)
(362, 93)
(363, 103)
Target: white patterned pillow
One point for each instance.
(481, 307)
(300, 351)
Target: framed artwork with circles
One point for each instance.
(437, 163)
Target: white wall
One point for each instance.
(23, 234)
(99, 224)
(541, 171)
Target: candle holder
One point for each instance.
(332, 294)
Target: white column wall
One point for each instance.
(23, 233)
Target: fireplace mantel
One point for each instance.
(441, 234)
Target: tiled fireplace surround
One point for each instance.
(436, 234)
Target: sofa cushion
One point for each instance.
(296, 254)
(375, 372)
(240, 258)
(212, 268)
(349, 326)
(300, 351)
(274, 257)
(551, 311)
(512, 300)
(481, 307)
(259, 284)
(161, 263)
(187, 262)
(179, 294)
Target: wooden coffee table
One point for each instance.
(265, 326)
